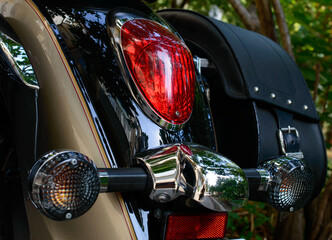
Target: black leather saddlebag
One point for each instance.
(261, 106)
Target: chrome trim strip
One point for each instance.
(265, 179)
(18, 60)
(202, 175)
(103, 179)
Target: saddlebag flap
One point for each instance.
(261, 106)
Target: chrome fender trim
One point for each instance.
(18, 61)
(197, 172)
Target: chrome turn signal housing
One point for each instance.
(64, 185)
(289, 185)
(192, 170)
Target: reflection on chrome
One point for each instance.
(194, 171)
(18, 61)
(288, 183)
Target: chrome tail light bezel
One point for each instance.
(115, 20)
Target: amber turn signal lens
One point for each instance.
(202, 226)
(64, 185)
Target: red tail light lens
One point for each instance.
(204, 226)
(162, 68)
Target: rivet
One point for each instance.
(302, 168)
(273, 95)
(177, 113)
(305, 107)
(289, 102)
(291, 209)
(74, 162)
(256, 89)
(68, 216)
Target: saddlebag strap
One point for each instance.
(288, 136)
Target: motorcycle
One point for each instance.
(118, 122)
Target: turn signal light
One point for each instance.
(203, 226)
(64, 185)
(162, 68)
(290, 183)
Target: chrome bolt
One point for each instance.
(273, 95)
(291, 209)
(305, 107)
(289, 102)
(68, 216)
(162, 198)
(74, 161)
(256, 89)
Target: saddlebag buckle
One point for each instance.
(289, 139)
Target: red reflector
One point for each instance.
(162, 68)
(204, 226)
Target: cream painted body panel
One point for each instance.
(64, 123)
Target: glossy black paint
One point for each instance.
(81, 31)
(128, 129)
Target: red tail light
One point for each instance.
(162, 68)
(204, 226)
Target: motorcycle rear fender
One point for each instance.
(65, 122)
